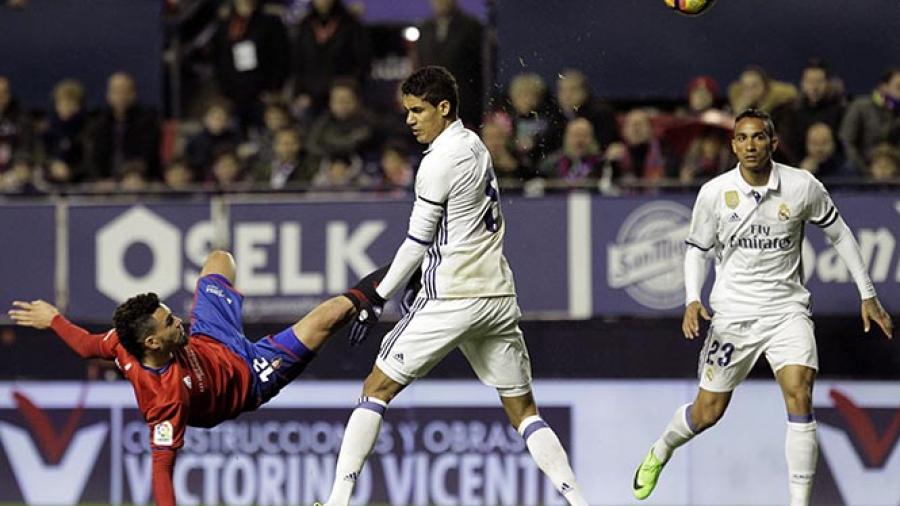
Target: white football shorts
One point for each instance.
(486, 330)
(732, 348)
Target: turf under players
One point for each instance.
(751, 219)
(467, 300)
(214, 375)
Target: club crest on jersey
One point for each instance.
(732, 199)
(163, 434)
(784, 212)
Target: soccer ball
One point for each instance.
(690, 7)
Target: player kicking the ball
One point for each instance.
(751, 219)
(467, 299)
(209, 377)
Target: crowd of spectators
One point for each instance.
(290, 112)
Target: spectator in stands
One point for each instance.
(872, 120)
(15, 129)
(579, 159)
(822, 156)
(453, 39)
(532, 116)
(754, 88)
(346, 128)
(340, 171)
(178, 175)
(704, 103)
(496, 133)
(575, 101)
(123, 130)
(290, 165)
(20, 178)
(217, 135)
(261, 145)
(133, 176)
(885, 165)
(707, 156)
(330, 43)
(819, 102)
(640, 154)
(251, 59)
(63, 141)
(397, 174)
(228, 172)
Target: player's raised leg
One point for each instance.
(361, 434)
(688, 421)
(219, 262)
(800, 447)
(544, 446)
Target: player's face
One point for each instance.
(424, 119)
(169, 333)
(752, 145)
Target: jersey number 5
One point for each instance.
(493, 219)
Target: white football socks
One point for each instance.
(359, 440)
(551, 458)
(677, 433)
(801, 451)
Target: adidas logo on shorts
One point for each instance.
(351, 477)
(398, 357)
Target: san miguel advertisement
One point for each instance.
(448, 443)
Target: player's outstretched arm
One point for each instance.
(872, 310)
(36, 314)
(690, 324)
(39, 314)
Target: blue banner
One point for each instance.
(573, 256)
(27, 254)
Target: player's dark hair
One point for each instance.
(433, 84)
(758, 114)
(134, 321)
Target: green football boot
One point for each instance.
(646, 476)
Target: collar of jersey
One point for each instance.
(161, 369)
(744, 186)
(452, 127)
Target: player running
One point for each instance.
(467, 300)
(209, 377)
(751, 219)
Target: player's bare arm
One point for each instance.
(872, 310)
(36, 314)
(690, 324)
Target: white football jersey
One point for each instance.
(465, 256)
(757, 237)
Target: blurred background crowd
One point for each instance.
(280, 95)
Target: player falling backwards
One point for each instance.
(209, 377)
(468, 298)
(751, 219)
